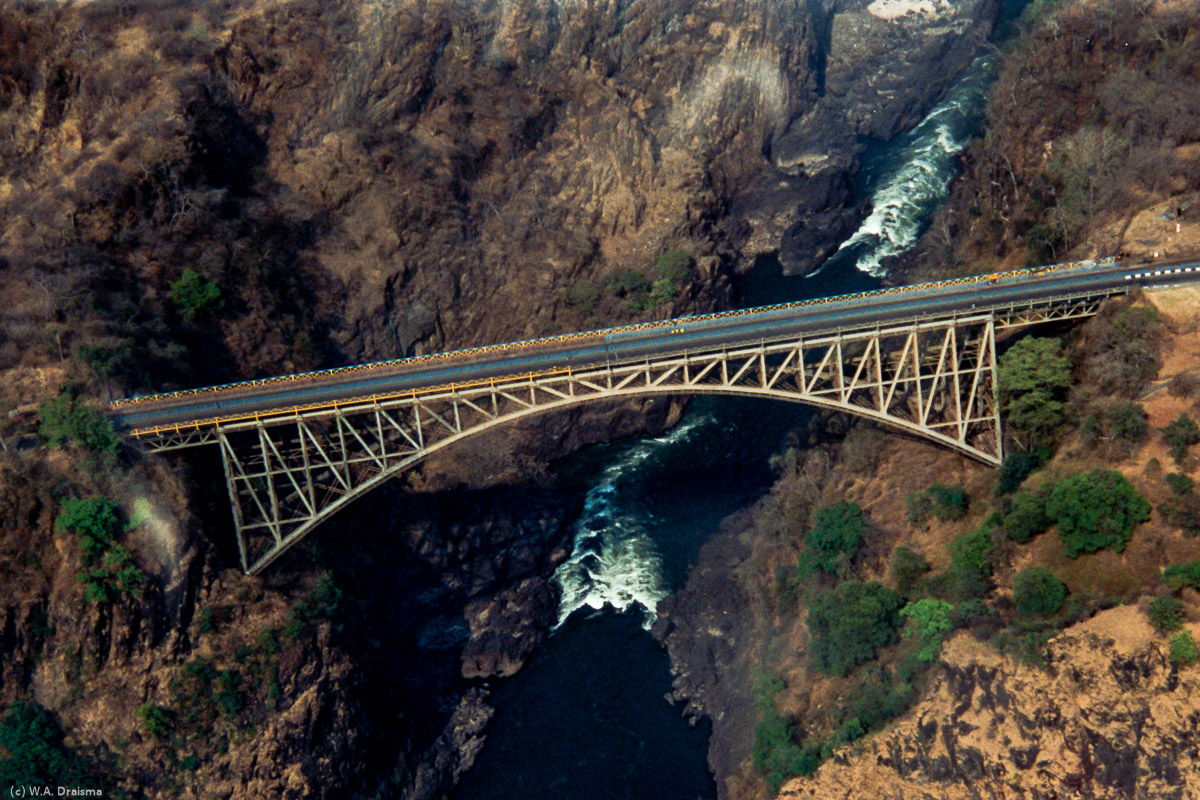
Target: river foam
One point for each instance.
(614, 561)
(915, 178)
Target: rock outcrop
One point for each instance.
(1109, 717)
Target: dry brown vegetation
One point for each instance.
(1091, 137)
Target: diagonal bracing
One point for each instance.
(288, 473)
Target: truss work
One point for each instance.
(288, 473)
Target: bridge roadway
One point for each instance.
(147, 416)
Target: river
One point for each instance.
(587, 719)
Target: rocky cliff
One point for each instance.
(362, 181)
(1109, 717)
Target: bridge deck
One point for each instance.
(1011, 298)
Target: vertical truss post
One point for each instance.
(228, 460)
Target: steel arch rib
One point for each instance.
(359, 490)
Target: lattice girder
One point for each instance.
(288, 473)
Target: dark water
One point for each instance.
(586, 719)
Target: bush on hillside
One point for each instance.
(850, 623)
(944, 502)
(1036, 591)
(835, 537)
(1016, 467)
(930, 621)
(1033, 379)
(1026, 517)
(1184, 652)
(195, 296)
(1179, 576)
(971, 564)
(1095, 510)
(1181, 435)
(1165, 614)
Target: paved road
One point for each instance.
(1037, 286)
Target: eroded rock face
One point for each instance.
(1109, 718)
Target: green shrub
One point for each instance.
(919, 507)
(1165, 614)
(268, 642)
(65, 419)
(230, 698)
(949, 502)
(775, 755)
(1032, 379)
(850, 623)
(1180, 484)
(189, 763)
(835, 537)
(1180, 435)
(674, 266)
(876, 698)
(116, 576)
(1038, 591)
(96, 520)
(1095, 510)
(1026, 517)
(626, 282)
(1183, 650)
(1016, 468)
(931, 621)
(194, 295)
(943, 502)
(907, 568)
(106, 361)
(1178, 576)
(663, 291)
(322, 602)
(156, 720)
(32, 751)
(971, 564)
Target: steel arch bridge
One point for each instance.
(920, 360)
(286, 474)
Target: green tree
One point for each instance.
(850, 623)
(1095, 510)
(663, 291)
(1184, 652)
(835, 537)
(1180, 435)
(1178, 576)
(1165, 614)
(110, 571)
(1033, 378)
(1026, 517)
(65, 419)
(971, 564)
(931, 620)
(194, 295)
(1037, 591)
(1016, 468)
(97, 521)
(32, 751)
